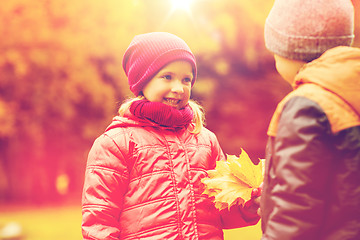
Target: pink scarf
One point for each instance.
(162, 114)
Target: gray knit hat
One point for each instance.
(305, 29)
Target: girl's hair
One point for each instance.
(199, 114)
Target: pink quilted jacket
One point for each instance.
(142, 181)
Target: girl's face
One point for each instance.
(171, 85)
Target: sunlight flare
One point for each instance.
(182, 4)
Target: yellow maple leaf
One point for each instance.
(232, 181)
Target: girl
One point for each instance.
(143, 175)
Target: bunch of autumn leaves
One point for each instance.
(233, 180)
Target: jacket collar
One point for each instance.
(338, 71)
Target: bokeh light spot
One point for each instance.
(62, 184)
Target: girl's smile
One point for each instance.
(172, 101)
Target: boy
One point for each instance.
(312, 177)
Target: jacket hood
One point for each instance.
(338, 71)
(129, 121)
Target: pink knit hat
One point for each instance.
(305, 29)
(150, 52)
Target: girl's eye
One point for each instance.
(187, 80)
(167, 77)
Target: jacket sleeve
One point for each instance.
(106, 180)
(300, 168)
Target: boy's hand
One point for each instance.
(253, 205)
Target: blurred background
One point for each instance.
(61, 82)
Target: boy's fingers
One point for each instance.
(254, 192)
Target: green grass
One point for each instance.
(64, 223)
(45, 223)
(246, 233)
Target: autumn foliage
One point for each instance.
(61, 81)
(233, 180)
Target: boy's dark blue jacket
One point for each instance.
(312, 176)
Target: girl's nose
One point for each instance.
(177, 87)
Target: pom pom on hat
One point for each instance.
(305, 29)
(149, 52)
